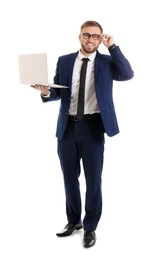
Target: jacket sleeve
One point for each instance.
(54, 95)
(122, 69)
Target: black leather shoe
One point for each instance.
(69, 229)
(89, 239)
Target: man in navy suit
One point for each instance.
(82, 140)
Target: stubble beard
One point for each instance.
(86, 50)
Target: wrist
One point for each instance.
(45, 94)
(111, 46)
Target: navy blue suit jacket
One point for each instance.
(106, 69)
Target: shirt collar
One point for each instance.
(90, 57)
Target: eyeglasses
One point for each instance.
(88, 35)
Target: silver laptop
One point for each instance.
(33, 70)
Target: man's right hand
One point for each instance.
(43, 89)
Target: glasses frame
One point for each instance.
(88, 35)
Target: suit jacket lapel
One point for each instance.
(72, 57)
(71, 62)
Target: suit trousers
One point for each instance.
(83, 140)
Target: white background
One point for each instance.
(32, 202)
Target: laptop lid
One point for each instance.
(33, 68)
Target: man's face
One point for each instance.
(90, 44)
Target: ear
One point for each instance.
(79, 37)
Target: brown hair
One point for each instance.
(91, 23)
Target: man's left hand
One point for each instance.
(107, 40)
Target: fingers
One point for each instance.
(43, 89)
(104, 37)
(107, 39)
(40, 87)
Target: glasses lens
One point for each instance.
(96, 36)
(86, 35)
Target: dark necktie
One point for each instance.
(80, 106)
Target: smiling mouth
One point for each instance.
(90, 45)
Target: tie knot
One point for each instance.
(85, 59)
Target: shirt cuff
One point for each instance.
(46, 96)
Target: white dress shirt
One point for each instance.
(91, 105)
